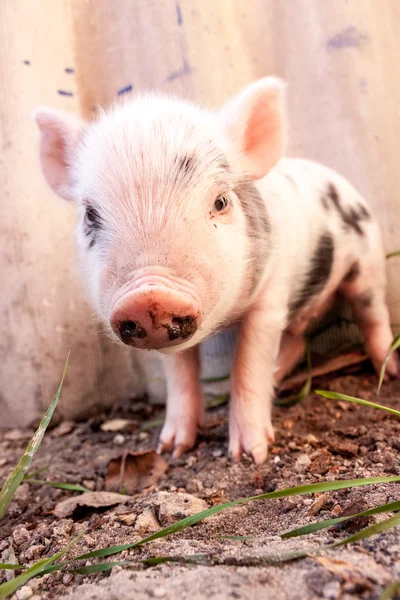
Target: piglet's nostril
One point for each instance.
(181, 327)
(129, 330)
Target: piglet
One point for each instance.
(191, 220)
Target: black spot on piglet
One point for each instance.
(352, 216)
(318, 274)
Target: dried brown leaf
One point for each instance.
(134, 471)
(66, 508)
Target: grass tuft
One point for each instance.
(394, 346)
(338, 396)
(16, 477)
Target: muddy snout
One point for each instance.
(153, 317)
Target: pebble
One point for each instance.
(3, 461)
(302, 462)
(20, 535)
(217, 453)
(63, 429)
(277, 459)
(159, 592)
(172, 507)
(119, 439)
(146, 522)
(331, 590)
(336, 510)
(89, 483)
(34, 552)
(67, 578)
(24, 593)
(127, 518)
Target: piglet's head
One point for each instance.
(172, 233)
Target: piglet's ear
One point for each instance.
(254, 121)
(59, 136)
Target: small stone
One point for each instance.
(127, 518)
(302, 462)
(159, 592)
(146, 522)
(277, 460)
(89, 484)
(217, 453)
(362, 430)
(24, 593)
(63, 429)
(119, 439)
(20, 535)
(67, 578)
(336, 510)
(34, 552)
(331, 590)
(143, 435)
(311, 439)
(3, 461)
(363, 450)
(16, 435)
(192, 460)
(292, 445)
(173, 507)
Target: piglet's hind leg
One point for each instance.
(364, 287)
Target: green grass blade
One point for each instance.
(236, 538)
(7, 566)
(391, 254)
(390, 591)
(72, 487)
(383, 508)
(17, 475)
(337, 396)
(192, 559)
(381, 527)
(305, 390)
(394, 346)
(325, 486)
(216, 401)
(215, 379)
(100, 567)
(9, 587)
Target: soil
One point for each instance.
(317, 440)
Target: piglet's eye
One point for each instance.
(220, 204)
(92, 224)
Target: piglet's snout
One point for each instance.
(155, 317)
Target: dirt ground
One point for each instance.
(316, 440)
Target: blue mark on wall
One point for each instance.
(179, 14)
(69, 70)
(64, 93)
(182, 72)
(125, 90)
(350, 37)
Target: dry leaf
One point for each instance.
(318, 504)
(336, 566)
(118, 425)
(66, 508)
(134, 471)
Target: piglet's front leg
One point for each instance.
(185, 407)
(250, 427)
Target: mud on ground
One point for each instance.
(316, 440)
